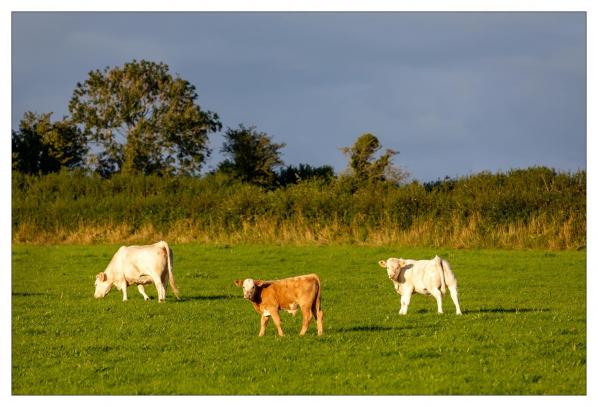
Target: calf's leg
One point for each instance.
(438, 296)
(276, 319)
(405, 300)
(455, 297)
(263, 324)
(319, 315)
(306, 312)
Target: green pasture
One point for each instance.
(523, 330)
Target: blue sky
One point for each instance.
(454, 93)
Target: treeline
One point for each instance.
(139, 119)
(531, 208)
(125, 165)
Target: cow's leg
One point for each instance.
(455, 297)
(276, 319)
(436, 294)
(123, 288)
(142, 291)
(319, 315)
(263, 324)
(307, 315)
(161, 290)
(405, 300)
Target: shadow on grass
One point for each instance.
(28, 294)
(205, 297)
(371, 328)
(378, 328)
(504, 310)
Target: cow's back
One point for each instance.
(135, 261)
(148, 254)
(114, 270)
(294, 290)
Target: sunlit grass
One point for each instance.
(523, 331)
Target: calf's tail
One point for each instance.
(169, 256)
(317, 308)
(440, 266)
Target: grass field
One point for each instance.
(523, 330)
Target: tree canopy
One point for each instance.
(141, 119)
(292, 175)
(41, 146)
(365, 168)
(252, 156)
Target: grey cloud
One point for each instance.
(453, 92)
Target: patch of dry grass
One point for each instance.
(539, 232)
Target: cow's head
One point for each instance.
(102, 284)
(393, 267)
(250, 287)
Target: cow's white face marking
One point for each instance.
(102, 287)
(393, 268)
(248, 288)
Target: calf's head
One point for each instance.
(102, 284)
(250, 287)
(392, 266)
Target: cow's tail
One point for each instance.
(317, 307)
(169, 256)
(441, 266)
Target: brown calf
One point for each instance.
(267, 297)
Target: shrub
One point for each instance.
(535, 207)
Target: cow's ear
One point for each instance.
(102, 276)
(239, 283)
(258, 283)
(382, 263)
(402, 263)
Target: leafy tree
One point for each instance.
(365, 168)
(41, 147)
(292, 174)
(141, 119)
(252, 156)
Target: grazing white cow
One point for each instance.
(139, 265)
(429, 277)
